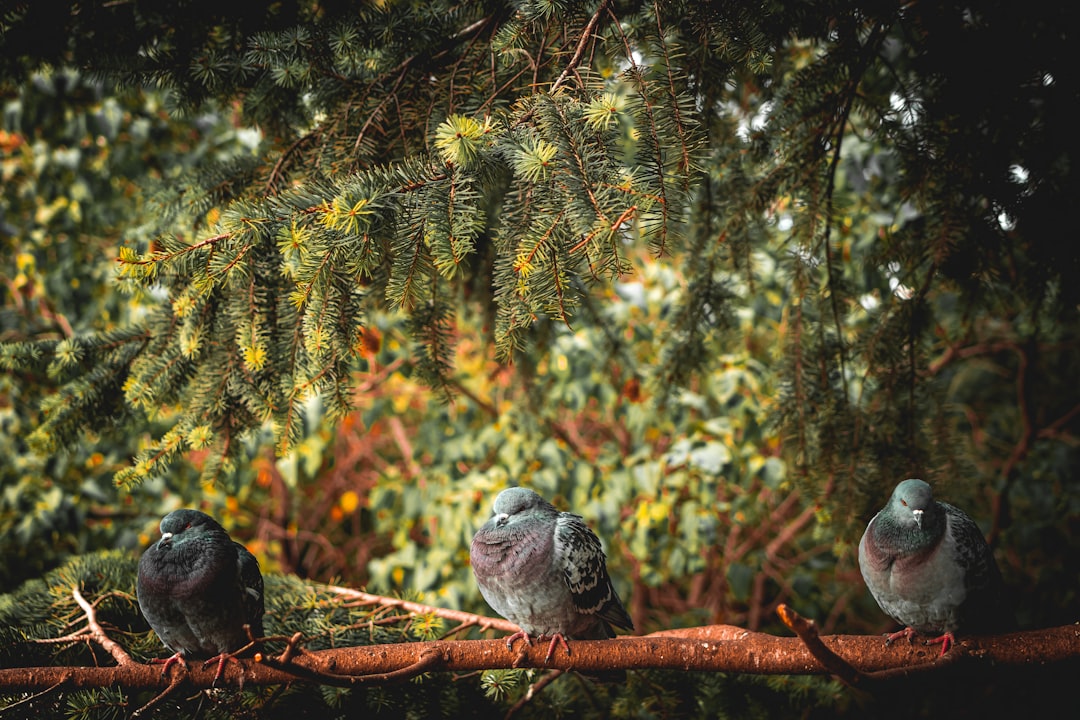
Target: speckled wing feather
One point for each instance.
(984, 608)
(585, 571)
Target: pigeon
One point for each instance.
(545, 571)
(198, 589)
(929, 568)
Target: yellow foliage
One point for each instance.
(200, 437)
(254, 357)
(349, 501)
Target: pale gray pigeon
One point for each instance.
(545, 571)
(929, 568)
(198, 589)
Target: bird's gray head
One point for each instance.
(910, 500)
(518, 502)
(184, 524)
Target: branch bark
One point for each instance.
(716, 648)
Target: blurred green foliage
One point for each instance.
(77, 161)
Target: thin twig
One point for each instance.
(460, 628)
(533, 691)
(485, 623)
(177, 679)
(808, 633)
(571, 67)
(97, 632)
(281, 160)
(586, 34)
(31, 698)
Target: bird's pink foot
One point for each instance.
(176, 659)
(221, 660)
(519, 634)
(947, 641)
(907, 632)
(555, 640)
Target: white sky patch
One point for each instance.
(1019, 173)
(904, 109)
(870, 302)
(249, 137)
(898, 288)
(805, 255)
(755, 122)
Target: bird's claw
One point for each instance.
(907, 632)
(519, 634)
(947, 641)
(175, 659)
(221, 660)
(555, 640)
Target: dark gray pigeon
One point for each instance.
(197, 589)
(930, 569)
(545, 571)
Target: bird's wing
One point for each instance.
(972, 552)
(585, 571)
(986, 607)
(251, 589)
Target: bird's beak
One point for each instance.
(501, 518)
(918, 517)
(166, 540)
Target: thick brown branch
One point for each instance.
(713, 649)
(429, 660)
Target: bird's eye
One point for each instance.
(904, 503)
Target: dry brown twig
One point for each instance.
(465, 618)
(93, 631)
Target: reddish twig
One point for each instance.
(807, 632)
(484, 623)
(93, 630)
(534, 690)
(174, 683)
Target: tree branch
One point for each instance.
(465, 618)
(586, 35)
(93, 630)
(718, 648)
(97, 632)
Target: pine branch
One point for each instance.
(571, 67)
(579, 51)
